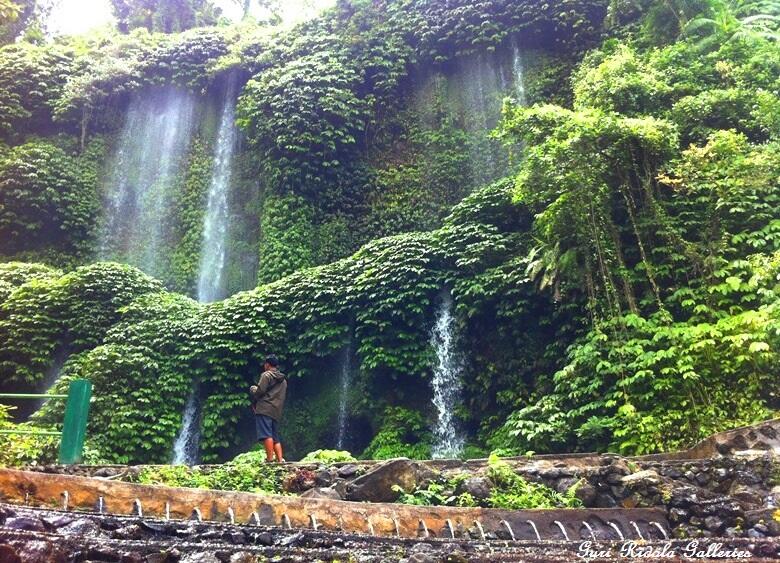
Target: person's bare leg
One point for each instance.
(268, 443)
(278, 451)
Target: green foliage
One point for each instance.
(46, 201)
(684, 323)
(189, 214)
(286, 244)
(302, 153)
(617, 292)
(513, 492)
(509, 491)
(403, 433)
(734, 20)
(15, 274)
(327, 457)
(31, 79)
(582, 199)
(247, 472)
(166, 16)
(70, 313)
(18, 450)
(9, 12)
(435, 494)
(622, 83)
(417, 193)
(752, 113)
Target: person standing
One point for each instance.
(268, 401)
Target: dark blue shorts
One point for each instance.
(267, 427)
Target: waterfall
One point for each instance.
(211, 283)
(186, 448)
(447, 381)
(518, 74)
(148, 161)
(215, 225)
(345, 381)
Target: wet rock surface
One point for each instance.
(126, 540)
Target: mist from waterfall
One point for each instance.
(473, 88)
(186, 447)
(148, 161)
(447, 382)
(211, 282)
(345, 384)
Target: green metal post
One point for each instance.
(74, 428)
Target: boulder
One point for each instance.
(763, 520)
(478, 487)
(713, 523)
(26, 523)
(129, 532)
(264, 538)
(161, 557)
(81, 527)
(58, 520)
(565, 484)
(35, 551)
(746, 495)
(644, 478)
(327, 493)
(293, 541)
(323, 478)
(586, 493)
(377, 485)
(347, 471)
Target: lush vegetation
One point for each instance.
(246, 472)
(507, 490)
(612, 248)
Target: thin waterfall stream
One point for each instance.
(345, 383)
(186, 448)
(211, 282)
(518, 74)
(215, 225)
(447, 381)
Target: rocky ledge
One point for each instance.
(49, 536)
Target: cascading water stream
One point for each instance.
(345, 383)
(187, 444)
(518, 74)
(211, 283)
(447, 381)
(152, 145)
(215, 224)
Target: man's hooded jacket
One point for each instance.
(270, 394)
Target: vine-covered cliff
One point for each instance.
(564, 213)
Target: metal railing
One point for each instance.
(74, 426)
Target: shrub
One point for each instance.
(17, 450)
(328, 456)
